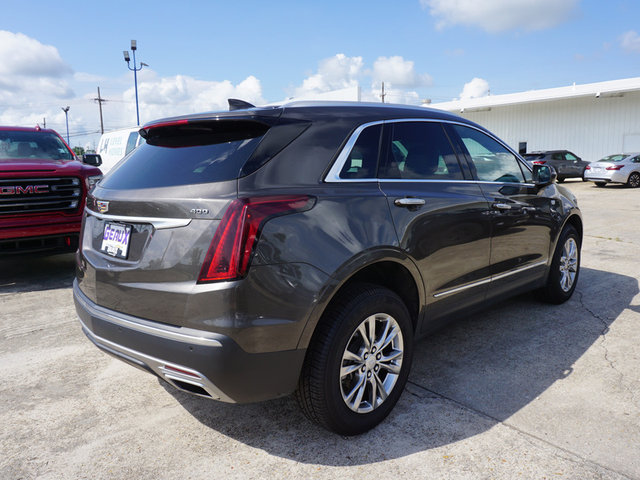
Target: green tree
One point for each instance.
(79, 151)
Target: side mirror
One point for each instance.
(92, 159)
(544, 175)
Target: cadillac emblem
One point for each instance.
(102, 206)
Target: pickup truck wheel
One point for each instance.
(565, 268)
(358, 361)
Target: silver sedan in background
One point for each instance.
(619, 168)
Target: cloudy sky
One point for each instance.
(56, 54)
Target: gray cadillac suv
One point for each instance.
(254, 253)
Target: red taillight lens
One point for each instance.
(230, 251)
(587, 167)
(615, 167)
(539, 162)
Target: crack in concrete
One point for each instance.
(573, 457)
(603, 339)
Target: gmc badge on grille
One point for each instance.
(23, 189)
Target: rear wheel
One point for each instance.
(560, 179)
(358, 361)
(565, 268)
(600, 184)
(634, 180)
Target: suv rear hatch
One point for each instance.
(151, 222)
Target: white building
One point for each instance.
(591, 120)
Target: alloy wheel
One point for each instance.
(568, 264)
(371, 363)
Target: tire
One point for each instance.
(560, 179)
(564, 270)
(633, 180)
(351, 379)
(600, 184)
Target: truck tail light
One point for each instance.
(539, 162)
(230, 251)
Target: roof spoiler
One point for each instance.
(235, 104)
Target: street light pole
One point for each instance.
(66, 116)
(135, 70)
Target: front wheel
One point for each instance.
(600, 184)
(634, 180)
(358, 361)
(564, 270)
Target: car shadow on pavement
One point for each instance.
(466, 378)
(30, 273)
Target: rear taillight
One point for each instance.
(539, 162)
(232, 245)
(615, 167)
(587, 167)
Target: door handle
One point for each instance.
(409, 202)
(501, 206)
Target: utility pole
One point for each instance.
(382, 95)
(44, 122)
(100, 101)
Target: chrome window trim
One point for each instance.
(490, 280)
(157, 222)
(333, 176)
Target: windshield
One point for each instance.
(613, 158)
(23, 145)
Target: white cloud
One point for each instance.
(630, 41)
(478, 87)
(30, 69)
(26, 56)
(398, 72)
(501, 15)
(334, 73)
(340, 72)
(161, 97)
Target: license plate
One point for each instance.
(115, 240)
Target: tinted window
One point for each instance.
(21, 144)
(420, 150)
(363, 158)
(570, 157)
(492, 161)
(183, 155)
(131, 142)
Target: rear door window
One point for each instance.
(420, 151)
(188, 154)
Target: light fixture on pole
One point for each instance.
(135, 69)
(66, 116)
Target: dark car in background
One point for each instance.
(566, 163)
(43, 188)
(251, 254)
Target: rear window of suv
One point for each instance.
(184, 154)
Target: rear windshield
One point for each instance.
(16, 144)
(188, 154)
(613, 158)
(533, 156)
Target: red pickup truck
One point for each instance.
(43, 187)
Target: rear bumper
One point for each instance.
(200, 362)
(612, 176)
